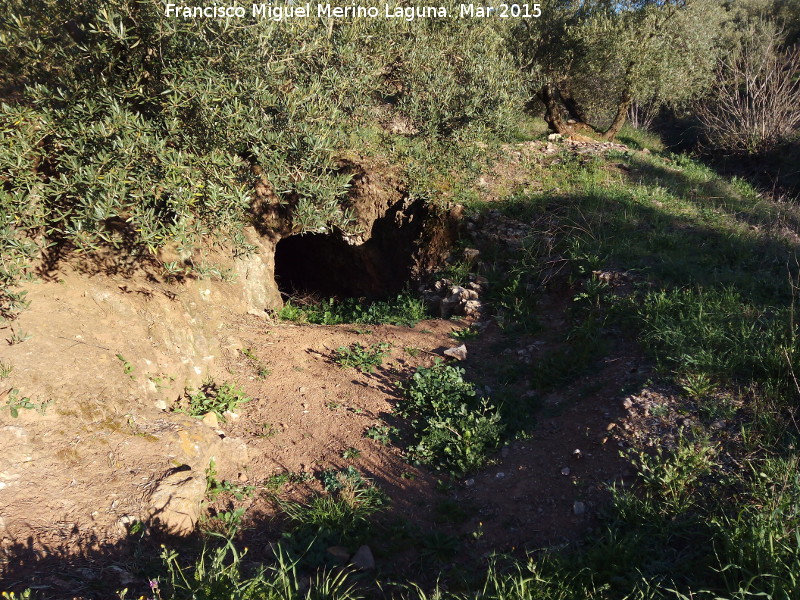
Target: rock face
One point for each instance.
(175, 502)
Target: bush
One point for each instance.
(754, 104)
(452, 429)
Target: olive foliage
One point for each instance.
(122, 127)
(594, 58)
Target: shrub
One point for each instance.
(453, 430)
(754, 104)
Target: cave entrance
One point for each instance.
(325, 265)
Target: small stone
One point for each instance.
(457, 352)
(554, 137)
(469, 482)
(627, 403)
(161, 405)
(230, 415)
(500, 475)
(339, 553)
(471, 254)
(578, 508)
(610, 426)
(504, 451)
(565, 471)
(472, 307)
(363, 559)
(211, 420)
(577, 453)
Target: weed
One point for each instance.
(215, 398)
(5, 370)
(452, 429)
(381, 433)
(267, 430)
(465, 334)
(215, 487)
(127, 367)
(17, 337)
(405, 309)
(673, 477)
(262, 371)
(342, 513)
(351, 453)
(412, 351)
(359, 357)
(697, 385)
(332, 405)
(15, 403)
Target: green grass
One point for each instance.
(405, 309)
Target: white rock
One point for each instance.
(457, 352)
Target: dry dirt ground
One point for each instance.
(77, 471)
(87, 432)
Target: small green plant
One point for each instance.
(343, 511)
(215, 398)
(360, 357)
(17, 337)
(351, 453)
(673, 477)
(381, 433)
(405, 309)
(262, 371)
(465, 334)
(267, 430)
(5, 370)
(15, 403)
(698, 385)
(453, 429)
(127, 366)
(215, 487)
(412, 351)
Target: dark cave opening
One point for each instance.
(325, 265)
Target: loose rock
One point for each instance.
(175, 503)
(363, 559)
(578, 508)
(457, 352)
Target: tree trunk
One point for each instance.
(574, 109)
(619, 119)
(552, 112)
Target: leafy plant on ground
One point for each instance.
(15, 403)
(215, 487)
(262, 371)
(5, 370)
(360, 357)
(405, 309)
(215, 398)
(452, 429)
(381, 433)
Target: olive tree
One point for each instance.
(592, 59)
